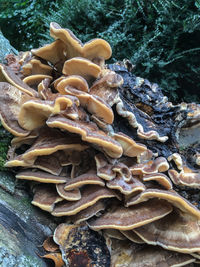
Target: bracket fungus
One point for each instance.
(99, 147)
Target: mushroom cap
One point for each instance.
(11, 99)
(132, 236)
(34, 112)
(121, 218)
(54, 52)
(82, 67)
(160, 164)
(45, 197)
(50, 141)
(48, 163)
(34, 80)
(40, 176)
(171, 196)
(84, 179)
(106, 87)
(88, 212)
(71, 195)
(104, 169)
(178, 231)
(187, 177)
(96, 48)
(161, 178)
(75, 81)
(89, 196)
(89, 133)
(94, 104)
(7, 75)
(130, 147)
(148, 256)
(126, 187)
(35, 66)
(150, 135)
(113, 233)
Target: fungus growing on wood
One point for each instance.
(89, 196)
(40, 176)
(7, 75)
(11, 99)
(178, 231)
(122, 218)
(71, 116)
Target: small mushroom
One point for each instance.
(93, 104)
(130, 147)
(45, 197)
(84, 179)
(40, 176)
(160, 178)
(88, 212)
(34, 80)
(104, 169)
(187, 177)
(71, 195)
(121, 218)
(74, 81)
(82, 67)
(132, 236)
(35, 66)
(89, 196)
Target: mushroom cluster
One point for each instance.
(60, 105)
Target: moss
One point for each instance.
(5, 138)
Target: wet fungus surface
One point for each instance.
(100, 148)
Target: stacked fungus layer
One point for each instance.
(61, 103)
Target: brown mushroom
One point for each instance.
(33, 113)
(126, 187)
(7, 75)
(11, 99)
(89, 196)
(34, 80)
(88, 212)
(50, 141)
(104, 169)
(40, 176)
(35, 66)
(45, 197)
(148, 256)
(89, 133)
(54, 52)
(84, 179)
(121, 218)
(130, 147)
(160, 178)
(187, 177)
(178, 231)
(96, 48)
(71, 195)
(93, 104)
(75, 81)
(169, 195)
(82, 67)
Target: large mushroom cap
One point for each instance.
(89, 196)
(81, 66)
(178, 231)
(75, 81)
(122, 218)
(171, 196)
(89, 133)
